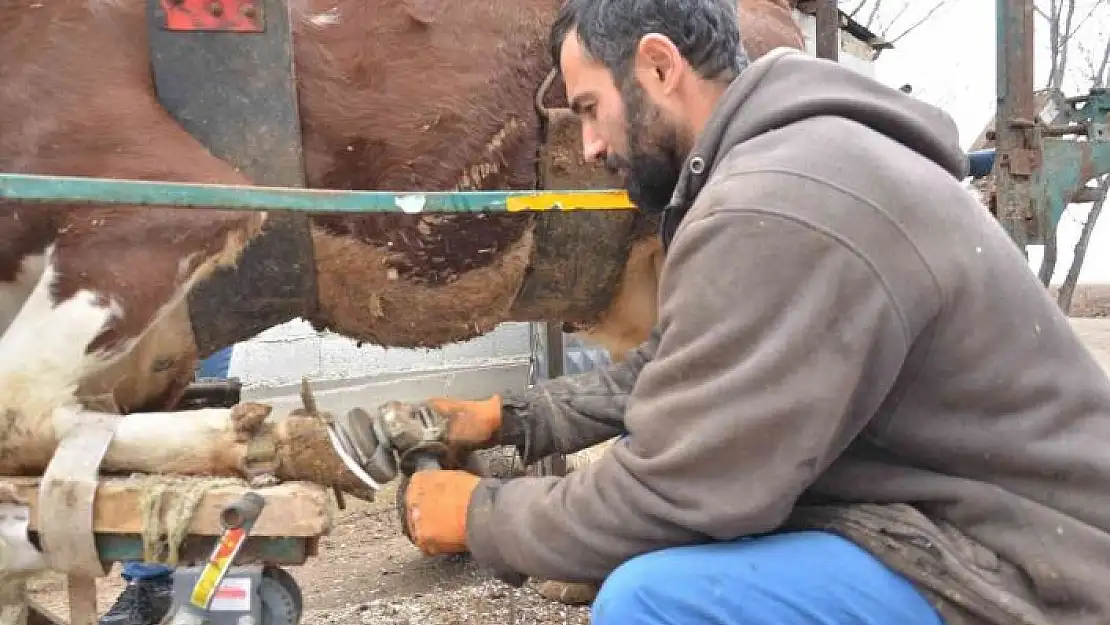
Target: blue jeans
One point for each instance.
(135, 570)
(798, 578)
(215, 366)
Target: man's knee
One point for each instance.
(787, 579)
(639, 592)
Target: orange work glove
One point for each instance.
(433, 510)
(470, 424)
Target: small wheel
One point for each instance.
(282, 601)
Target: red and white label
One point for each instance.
(233, 595)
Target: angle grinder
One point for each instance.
(396, 438)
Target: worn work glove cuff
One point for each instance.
(514, 422)
(435, 505)
(518, 423)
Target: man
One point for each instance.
(148, 595)
(858, 405)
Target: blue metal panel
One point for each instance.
(982, 162)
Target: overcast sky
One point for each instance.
(950, 61)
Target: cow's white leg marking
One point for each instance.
(43, 361)
(191, 441)
(42, 352)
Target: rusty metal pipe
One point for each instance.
(1060, 131)
(1016, 142)
(243, 512)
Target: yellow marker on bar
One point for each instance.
(217, 566)
(555, 201)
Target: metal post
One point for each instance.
(555, 351)
(1017, 143)
(828, 30)
(555, 464)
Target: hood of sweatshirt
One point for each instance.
(787, 86)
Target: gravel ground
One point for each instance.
(1089, 300)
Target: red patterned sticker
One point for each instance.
(243, 16)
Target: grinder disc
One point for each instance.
(363, 439)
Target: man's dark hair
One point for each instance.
(706, 32)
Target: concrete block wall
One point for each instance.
(344, 374)
(281, 355)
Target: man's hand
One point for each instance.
(433, 507)
(470, 424)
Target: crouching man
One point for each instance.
(858, 406)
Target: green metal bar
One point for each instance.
(1067, 166)
(274, 550)
(81, 190)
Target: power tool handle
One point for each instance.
(426, 462)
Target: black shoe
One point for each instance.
(142, 602)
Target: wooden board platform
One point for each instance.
(293, 509)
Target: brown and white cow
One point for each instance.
(394, 94)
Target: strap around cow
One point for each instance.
(67, 494)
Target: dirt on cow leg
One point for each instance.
(305, 453)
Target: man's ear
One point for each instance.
(658, 63)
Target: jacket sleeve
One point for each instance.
(573, 412)
(778, 342)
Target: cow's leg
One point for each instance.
(46, 353)
(113, 279)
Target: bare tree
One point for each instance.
(1067, 289)
(1059, 20)
(1062, 19)
(1099, 75)
(887, 18)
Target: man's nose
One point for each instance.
(593, 147)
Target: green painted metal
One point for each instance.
(82, 190)
(1067, 166)
(272, 550)
(1040, 165)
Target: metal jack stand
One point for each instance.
(222, 594)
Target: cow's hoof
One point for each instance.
(247, 419)
(569, 593)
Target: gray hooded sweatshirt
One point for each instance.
(847, 340)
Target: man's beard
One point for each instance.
(655, 153)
